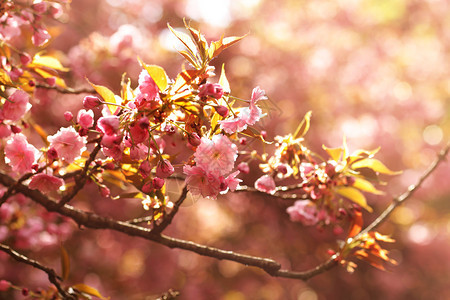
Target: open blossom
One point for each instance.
(214, 90)
(216, 155)
(246, 116)
(68, 143)
(19, 154)
(45, 183)
(201, 182)
(16, 106)
(109, 125)
(303, 211)
(265, 184)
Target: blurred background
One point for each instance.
(375, 71)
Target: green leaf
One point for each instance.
(375, 165)
(65, 262)
(366, 186)
(303, 127)
(157, 74)
(83, 288)
(353, 195)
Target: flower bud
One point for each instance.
(221, 110)
(243, 168)
(145, 168)
(68, 116)
(90, 102)
(25, 59)
(164, 169)
(214, 90)
(15, 129)
(158, 183)
(4, 285)
(52, 154)
(194, 139)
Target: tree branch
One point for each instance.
(66, 90)
(408, 194)
(52, 276)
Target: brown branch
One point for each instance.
(66, 90)
(91, 220)
(278, 194)
(52, 276)
(80, 179)
(168, 219)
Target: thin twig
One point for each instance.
(66, 90)
(168, 219)
(52, 276)
(408, 194)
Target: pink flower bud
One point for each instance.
(221, 110)
(144, 123)
(282, 169)
(40, 37)
(214, 90)
(52, 154)
(194, 139)
(68, 116)
(85, 118)
(15, 129)
(158, 183)
(39, 6)
(243, 167)
(148, 187)
(51, 81)
(145, 168)
(25, 59)
(243, 141)
(164, 169)
(4, 285)
(104, 191)
(90, 102)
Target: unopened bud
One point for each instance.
(68, 116)
(221, 110)
(90, 102)
(158, 183)
(194, 139)
(164, 169)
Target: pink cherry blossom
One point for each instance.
(200, 182)
(216, 155)
(246, 116)
(85, 118)
(138, 134)
(164, 169)
(214, 90)
(68, 143)
(45, 183)
(232, 182)
(147, 85)
(19, 154)
(108, 125)
(303, 211)
(16, 106)
(266, 184)
(40, 37)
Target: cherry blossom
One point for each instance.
(216, 155)
(303, 211)
(200, 182)
(19, 154)
(68, 143)
(265, 184)
(45, 183)
(16, 106)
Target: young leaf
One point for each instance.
(106, 94)
(83, 288)
(157, 74)
(357, 224)
(4, 77)
(223, 81)
(65, 262)
(183, 78)
(47, 61)
(353, 195)
(303, 127)
(217, 47)
(366, 186)
(334, 153)
(375, 165)
(184, 39)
